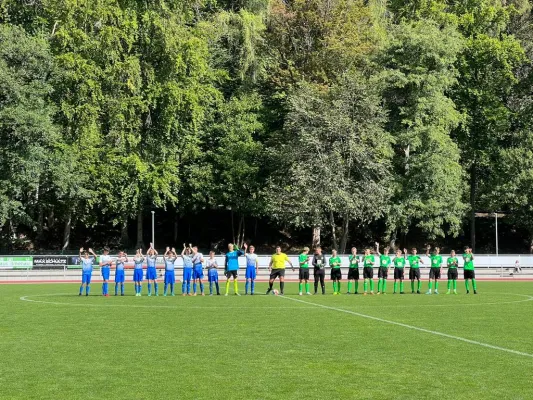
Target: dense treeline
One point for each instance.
(268, 120)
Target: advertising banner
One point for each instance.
(16, 262)
(73, 262)
(49, 262)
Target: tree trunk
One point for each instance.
(473, 193)
(139, 244)
(50, 220)
(255, 229)
(239, 232)
(242, 228)
(344, 237)
(531, 245)
(316, 237)
(392, 242)
(124, 238)
(232, 228)
(40, 224)
(333, 230)
(176, 221)
(66, 231)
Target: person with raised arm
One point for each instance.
(86, 269)
(151, 271)
(198, 270)
(138, 271)
(170, 278)
(187, 271)
(252, 265)
(120, 274)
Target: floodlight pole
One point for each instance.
(496, 217)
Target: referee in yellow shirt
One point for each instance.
(277, 269)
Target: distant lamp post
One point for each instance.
(494, 214)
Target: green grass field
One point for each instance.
(61, 346)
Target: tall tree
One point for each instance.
(418, 63)
(29, 139)
(335, 163)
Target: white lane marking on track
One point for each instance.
(416, 328)
(184, 307)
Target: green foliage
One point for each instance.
(316, 41)
(28, 136)
(377, 115)
(418, 71)
(337, 156)
(236, 155)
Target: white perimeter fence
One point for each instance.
(487, 266)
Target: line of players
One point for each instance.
(193, 267)
(193, 270)
(386, 262)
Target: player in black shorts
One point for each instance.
(353, 270)
(319, 263)
(368, 271)
(277, 269)
(452, 263)
(336, 275)
(399, 266)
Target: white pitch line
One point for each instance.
(527, 298)
(184, 307)
(415, 328)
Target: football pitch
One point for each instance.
(57, 345)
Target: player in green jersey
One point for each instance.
(452, 263)
(383, 270)
(303, 260)
(434, 271)
(399, 265)
(353, 270)
(368, 271)
(414, 270)
(469, 272)
(336, 275)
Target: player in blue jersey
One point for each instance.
(151, 272)
(212, 273)
(105, 270)
(232, 267)
(252, 265)
(138, 271)
(87, 270)
(170, 277)
(198, 270)
(187, 271)
(120, 274)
